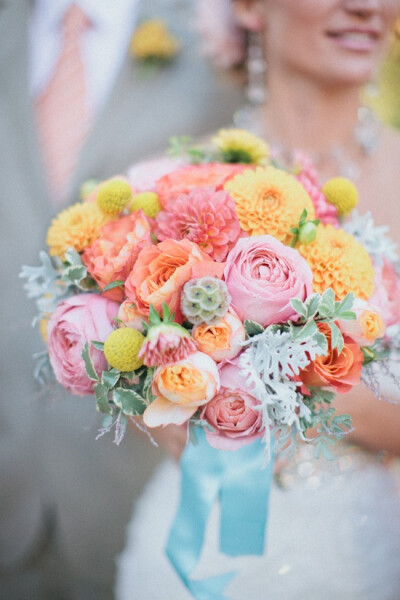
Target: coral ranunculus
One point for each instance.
(231, 412)
(161, 271)
(207, 217)
(339, 371)
(262, 276)
(181, 388)
(77, 320)
(181, 181)
(112, 256)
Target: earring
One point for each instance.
(248, 116)
(256, 67)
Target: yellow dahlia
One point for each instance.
(338, 261)
(342, 193)
(152, 40)
(268, 200)
(241, 146)
(75, 227)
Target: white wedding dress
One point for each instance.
(333, 532)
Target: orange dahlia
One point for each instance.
(75, 227)
(338, 261)
(183, 180)
(269, 201)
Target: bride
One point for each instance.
(334, 528)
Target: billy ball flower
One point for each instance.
(148, 202)
(269, 201)
(113, 196)
(75, 227)
(206, 217)
(205, 300)
(122, 347)
(342, 193)
(241, 146)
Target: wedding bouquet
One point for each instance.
(217, 289)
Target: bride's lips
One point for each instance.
(355, 39)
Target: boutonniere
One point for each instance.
(152, 43)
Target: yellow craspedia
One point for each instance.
(342, 193)
(113, 195)
(338, 261)
(241, 146)
(152, 40)
(121, 349)
(148, 202)
(75, 227)
(269, 200)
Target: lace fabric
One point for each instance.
(333, 531)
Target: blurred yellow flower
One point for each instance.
(241, 146)
(153, 41)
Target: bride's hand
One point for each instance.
(172, 438)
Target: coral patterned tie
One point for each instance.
(61, 109)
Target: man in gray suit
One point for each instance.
(64, 497)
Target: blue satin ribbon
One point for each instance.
(237, 479)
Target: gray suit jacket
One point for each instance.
(48, 452)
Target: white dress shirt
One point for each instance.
(104, 46)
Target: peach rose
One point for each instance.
(129, 316)
(161, 271)
(221, 340)
(366, 327)
(112, 256)
(181, 388)
(339, 371)
(232, 411)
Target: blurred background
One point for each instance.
(79, 102)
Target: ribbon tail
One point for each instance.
(244, 501)
(201, 470)
(211, 588)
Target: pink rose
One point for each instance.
(387, 292)
(262, 276)
(231, 412)
(77, 320)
